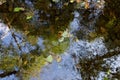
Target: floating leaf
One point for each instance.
(86, 5)
(61, 39)
(71, 1)
(17, 9)
(82, 4)
(76, 39)
(108, 72)
(58, 59)
(49, 58)
(55, 1)
(25, 62)
(28, 17)
(78, 1)
(65, 33)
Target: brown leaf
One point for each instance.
(86, 5)
(60, 34)
(102, 30)
(58, 59)
(78, 1)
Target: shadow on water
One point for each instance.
(76, 29)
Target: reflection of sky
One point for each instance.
(60, 71)
(11, 77)
(5, 34)
(40, 43)
(64, 69)
(7, 39)
(75, 24)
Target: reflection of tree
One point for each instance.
(91, 67)
(109, 23)
(51, 17)
(109, 26)
(58, 20)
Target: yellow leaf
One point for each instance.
(78, 1)
(49, 59)
(61, 39)
(86, 5)
(58, 59)
(25, 62)
(76, 39)
(103, 30)
(71, 1)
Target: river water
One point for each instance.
(86, 58)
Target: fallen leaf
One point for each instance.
(25, 62)
(76, 39)
(102, 29)
(60, 34)
(86, 5)
(71, 1)
(58, 58)
(49, 59)
(28, 17)
(65, 33)
(17, 9)
(56, 1)
(78, 1)
(61, 39)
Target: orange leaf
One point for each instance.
(86, 5)
(78, 1)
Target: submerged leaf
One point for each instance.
(54, 43)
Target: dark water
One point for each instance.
(85, 54)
